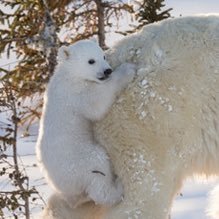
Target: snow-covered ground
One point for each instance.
(194, 199)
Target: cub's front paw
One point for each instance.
(127, 68)
(127, 71)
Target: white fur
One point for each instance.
(165, 127)
(75, 164)
(213, 208)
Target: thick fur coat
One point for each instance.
(80, 92)
(165, 126)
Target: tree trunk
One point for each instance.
(100, 25)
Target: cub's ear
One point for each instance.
(63, 53)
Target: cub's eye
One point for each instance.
(91, 61)
(104, 57)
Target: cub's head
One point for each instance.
(85, 60)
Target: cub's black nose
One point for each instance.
(108, 71)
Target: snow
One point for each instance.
(194, 200)
(144, 82)
(27, 158)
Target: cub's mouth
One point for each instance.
(106, 74)
(104, 77)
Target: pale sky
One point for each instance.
(190, 7)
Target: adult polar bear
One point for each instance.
(165, 126)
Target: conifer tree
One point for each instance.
(150, 11)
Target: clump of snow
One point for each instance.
(143, 114)
(142, 71)
(134, 214)
(170, 108)
(149, 95)
(144, 82)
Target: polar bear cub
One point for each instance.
(81, 91)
